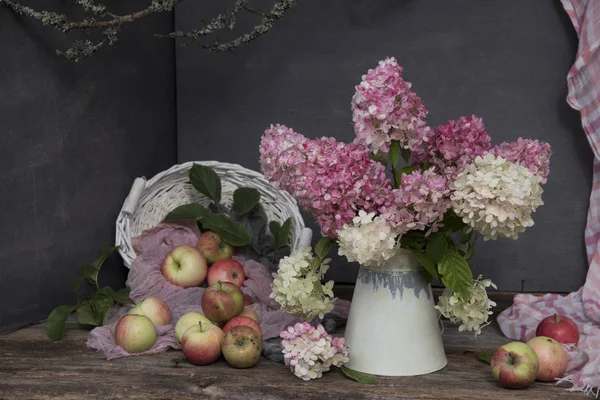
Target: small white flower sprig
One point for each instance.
(471, 310)
(297, 285)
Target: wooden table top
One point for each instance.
(33, 367)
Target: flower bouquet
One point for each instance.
(406, 224)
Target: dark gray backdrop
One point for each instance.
(72, 139)
(505, 61)
(74, 136)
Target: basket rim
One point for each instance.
(123, 234)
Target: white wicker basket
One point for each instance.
(150, 201)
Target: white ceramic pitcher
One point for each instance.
(393, 329)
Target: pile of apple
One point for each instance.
(229, 326)
(517, 365)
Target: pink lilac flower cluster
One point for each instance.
(330, 179)
(385, 109)
(309, 351)
(454, 145)
(420, 201)
(531, 154)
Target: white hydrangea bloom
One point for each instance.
(496, 197)
(471, 310)
(297, 286)
(370, 240)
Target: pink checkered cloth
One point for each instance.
(145, 279)
(520, 321)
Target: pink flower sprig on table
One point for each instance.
(309, 351)
(385, 109)
(421, 201)
(531, 154)
(454, 145)
(330, 179)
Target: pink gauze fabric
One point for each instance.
(520, 321)
(145, 279)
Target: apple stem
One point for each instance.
(556, 318)
(200, 323)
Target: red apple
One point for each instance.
(242, 346)
(184, 266)
(135, 333)
(241, 320)
(560, 328)
(187, 320)
(249, 312)
(552, 356)
(226, 270)
(154, 308)
(201, 343)
(222, 301)
(515, 365)
(213, 248)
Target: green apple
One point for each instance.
(515, 365)
(242, 346)
(187, 320)
(135, 333)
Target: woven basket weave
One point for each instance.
(150, 201)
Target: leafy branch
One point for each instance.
(441, 257)
(109, 24)
(206, 181)
(93, 310)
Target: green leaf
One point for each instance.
(282, 237)
(187, 211)
(206, 181)
(359, 377)
(57, 322)
(485, 357)
(100, 303)
(314, 264)
(85, 315)
(436, 246)
(394, 153)
(378, 157)
(89, 272)
(274, 227)
(103, 255)
(245, 199)
(121, 296)
(405, 154)
(323, 247)
(453, 222)
(75, 284)
(227, 229)
(426, 263)
(426, 275)
(456, 274)
(470, 250)
(466, 237)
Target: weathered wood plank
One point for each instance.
(32, 367)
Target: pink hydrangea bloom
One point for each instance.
(420, 202)
(454, 144)
(330, 179)
(309, 351)
(531, 154)
(385, 109)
